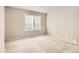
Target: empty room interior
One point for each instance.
(39, 29)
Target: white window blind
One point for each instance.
(32, 22)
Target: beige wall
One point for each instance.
(1, 29)
(15, 23)
(63, 23)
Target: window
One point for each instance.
(32, 22)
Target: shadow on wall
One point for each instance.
(15, 23)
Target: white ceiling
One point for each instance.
(45, 9)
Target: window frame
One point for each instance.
(33, 23)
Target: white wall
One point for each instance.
(1, 29)
(63, 22)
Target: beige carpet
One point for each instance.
(41, 44)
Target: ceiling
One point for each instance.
(45, 9)
(34, 8)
